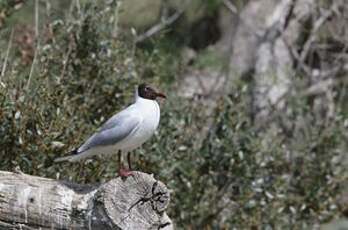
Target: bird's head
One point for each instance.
(147, 92)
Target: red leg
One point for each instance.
(129, 160)
(123, 172)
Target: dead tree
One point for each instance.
(29, 202)
(278, 45)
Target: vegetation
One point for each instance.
(58, 86)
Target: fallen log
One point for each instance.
(29, 202)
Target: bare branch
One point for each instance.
(229, 5)
(7, 55)
(160, 26)
(139, 202)
(314, 33)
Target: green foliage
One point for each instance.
(209, 58)
(256, 178)
(235, 174)
(80, 78)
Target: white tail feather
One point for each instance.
(61, 159)
(77, 156)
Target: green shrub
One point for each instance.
(235, 174)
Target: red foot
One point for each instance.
(124, 173)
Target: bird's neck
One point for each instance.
(144, 101)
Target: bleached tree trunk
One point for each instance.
(262, 54)
(277, 42)
(29, 202)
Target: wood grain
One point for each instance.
(29, 202)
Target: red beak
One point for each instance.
(161, 95)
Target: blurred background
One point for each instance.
(253, 134)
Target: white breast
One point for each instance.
(150, 112)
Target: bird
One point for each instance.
(124, 131)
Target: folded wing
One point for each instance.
(113, 131)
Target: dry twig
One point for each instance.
(314, 33)
(160, 26)
(229, 5)
(7, 55)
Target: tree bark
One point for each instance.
(279, 44)
(29, 202)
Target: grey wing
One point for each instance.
(114, 130)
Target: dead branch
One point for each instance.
(29, 202)
(160, 26)
(314, 33)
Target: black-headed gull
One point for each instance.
(124, 131)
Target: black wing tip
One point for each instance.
(73, 152)
(67, 156)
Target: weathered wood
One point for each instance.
(29, 202)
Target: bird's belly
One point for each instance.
(139, 136)
(148, 126)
